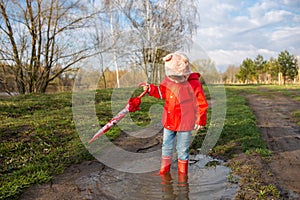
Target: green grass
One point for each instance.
(292, 91)
(296, 116)
(240, 133)
(39, 139)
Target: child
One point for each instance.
(184, 110)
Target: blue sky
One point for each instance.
(232, 30)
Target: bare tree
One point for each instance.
(41, 39)
(229, 75)
(154, 28)
(208, 70)
(102, 35)
(112, 28)
(7, 82)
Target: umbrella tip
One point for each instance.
(90, 141)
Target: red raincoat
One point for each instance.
(185, 103)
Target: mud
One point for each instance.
(92, 180)
(273, 111)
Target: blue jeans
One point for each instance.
(182, 146)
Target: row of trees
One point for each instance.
(43, 39)
(44, 42)
(283, 69)
(250, 71)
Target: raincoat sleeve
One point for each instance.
(201, 104)
(157, 91)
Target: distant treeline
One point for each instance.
(281, 70)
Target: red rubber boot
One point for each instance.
(182, 166)
(166, 162)
(182, 172)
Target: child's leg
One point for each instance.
(167, 151)
(182, 147)
(168, 142)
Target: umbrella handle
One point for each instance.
(142, 94)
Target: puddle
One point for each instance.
(202, 183)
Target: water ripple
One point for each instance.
(202, 183)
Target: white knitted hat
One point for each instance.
(177, 64)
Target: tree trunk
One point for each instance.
(104, 79)
(114, 47)
(20, 83)
(299, 76)
(279, 78)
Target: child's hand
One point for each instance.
(198, 127)
(145, 86)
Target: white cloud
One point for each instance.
(224, 58)
(234, 30)
(260, 8)
(276, 16)
(293, 3)
(291, 33)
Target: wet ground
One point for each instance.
(273, 111)
(207, 179)
(92, 180)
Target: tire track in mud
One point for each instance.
(273, 112)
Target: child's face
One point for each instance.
(177, 78)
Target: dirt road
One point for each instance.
(273, 111)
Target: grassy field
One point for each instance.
(239, 133)
(39, 140)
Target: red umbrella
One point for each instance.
(132, 106)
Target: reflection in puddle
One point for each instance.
(171, 191)
(202, 183)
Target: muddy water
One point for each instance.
(202, 183)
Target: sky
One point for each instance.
(233, 30)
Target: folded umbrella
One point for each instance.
(132, 105)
